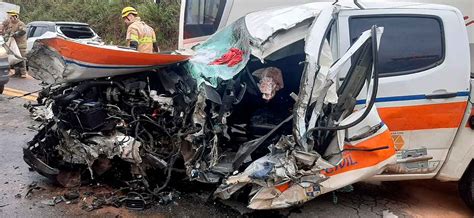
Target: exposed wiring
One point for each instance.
(168, 176)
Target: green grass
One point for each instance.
(104, 16)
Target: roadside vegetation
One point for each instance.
(104, 16)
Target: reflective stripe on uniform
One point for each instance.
(134, 37)
(143, 40)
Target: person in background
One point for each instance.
(140, 36)
(17, 29)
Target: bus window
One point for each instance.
(202, 17)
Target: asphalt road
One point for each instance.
(424, 198)
(26, 85)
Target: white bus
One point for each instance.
(201, 18)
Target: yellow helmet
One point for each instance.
(129, 10)
(13, 13)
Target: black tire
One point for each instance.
(2, 87)
(466, 186)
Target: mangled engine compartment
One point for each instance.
(96, 121)
(258, 125)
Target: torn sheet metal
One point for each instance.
(41, 113)
(323, 84)
(209, 122)
(313, 42)
(357, 165)
(55, 60)
(362, 150)
(87, 152)
(275, 29)
(364, 157)
(288, 177)
(263, 25)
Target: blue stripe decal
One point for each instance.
(104, 67)
(408, 98)
(463, 94)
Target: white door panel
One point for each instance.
(424, 109)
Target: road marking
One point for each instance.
(14, 93)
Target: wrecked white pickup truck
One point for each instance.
(282, 106)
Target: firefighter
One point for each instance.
(17, 29)
(140, 36)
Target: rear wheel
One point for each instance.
(466, 186)
(2, 87)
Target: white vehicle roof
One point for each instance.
(4, 7)
(268, 19)
(57, 23)
(466, 7)
(262, 25)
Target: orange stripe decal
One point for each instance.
(422, 117)
(283, 187)
(354, 160)
(105, 56)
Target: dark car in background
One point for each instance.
(4, 66)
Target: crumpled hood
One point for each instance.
(54, 59)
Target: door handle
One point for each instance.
(441, 96)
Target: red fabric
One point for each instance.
(231, 58)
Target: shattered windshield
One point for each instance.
(76, 32)
(222, 56)
(226, 53)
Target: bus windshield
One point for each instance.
(202, 17)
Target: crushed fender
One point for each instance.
(262, 125)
